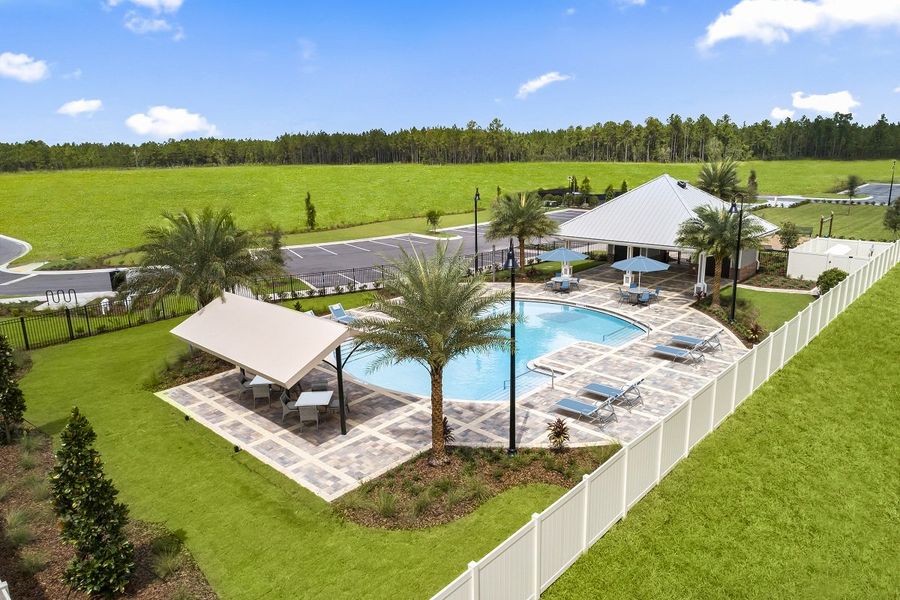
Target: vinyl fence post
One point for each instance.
(625, 483)
(24, 333)
(69, 323)
(586, 509)
(536, 556)
(474, 591)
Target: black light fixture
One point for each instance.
(477, 198)
(511, 265)
(737, 252)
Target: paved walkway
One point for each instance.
(387, 428)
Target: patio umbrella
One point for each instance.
(562, 255)
(640, 264)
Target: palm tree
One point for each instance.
(521, 217)
(720, 178)
(444, 314)
(714, 231)
(201, 256)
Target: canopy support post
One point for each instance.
(340, 382)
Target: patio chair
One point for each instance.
(308, 414)
(309, 312)
(633, 285)
(644, 298)
(335, 405)
(575, 281)
(338, 314)
(287, 405)
(629, 395)
(318, 385)
(685, 354)
(624, 296)
(710, 342)
(564, 286)
(603, 412)
(655, 295)
(261, 392)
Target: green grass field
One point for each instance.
(72, 214)
(854, 222)
(794, 496)
(774, 307)
(253, 532)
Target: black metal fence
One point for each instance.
(64, 325)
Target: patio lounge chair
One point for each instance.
(629, 395)
(602, 412)
(685, 354)
(338, 314)
(710, 342)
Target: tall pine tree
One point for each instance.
(90, 517)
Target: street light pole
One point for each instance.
(511, 262)
(737, 254)
(891, 189)
(477, 198)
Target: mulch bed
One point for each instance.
(779, 282)
(417, 495)
(188, 368)
(187, 582)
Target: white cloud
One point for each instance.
(533, 85)
(141, 25)
(842, 102)
(569, 11)
(76, 74)
(22, 67)
(770, 21)
(166, 122)
(157, 6)
(897, 90)
(80, 107)
(780, 114)
(631, 2)
(307, 49)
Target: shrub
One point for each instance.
(39, 487)
(421, 504)
(385, 504)
(455, 496)
(5, 489)
(167, 562)
(477, 489)
(558, 435)
(18, 527)
(30, 443)
(27, 461)
(789, 235)
(449, 437)
(829, 278)
(12, 401)
(433, 218)
(33, 562)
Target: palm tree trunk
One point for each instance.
(522, 253)
(438, 451)
(717, 281)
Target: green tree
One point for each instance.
(789, 235)
(12, 401)
(752, 185)
(624, 187)
(445, 314)
(521, 217)
(201, 256)
(713, 230)
(719, 179)
(275, 234)
(586, 185)
(310, 212)
(853, 183)
(90, 518)
(892, 216)
(433, 218)
(609, 193)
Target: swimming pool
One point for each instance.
(485, 375)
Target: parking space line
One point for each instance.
(412, 241)
(382, 243)
(294, 253)
(357, 247)
(326, 250)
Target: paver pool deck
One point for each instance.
(387, 428)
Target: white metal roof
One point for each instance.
(647, 216)
(276, 342)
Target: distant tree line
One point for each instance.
(675, 140)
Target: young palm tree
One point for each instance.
(444, 314)
(521, 217)
(201, 256)
(714, 230)
(720, 179)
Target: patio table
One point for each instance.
(314, 398)
(260, 380)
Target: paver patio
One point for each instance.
(387, 428)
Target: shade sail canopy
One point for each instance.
(276, 342)
(640, 264)
(561, 255)
(647, 216)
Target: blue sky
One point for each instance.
(132, 70)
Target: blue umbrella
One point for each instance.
(562, 255)
(640, 264)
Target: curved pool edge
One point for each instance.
(637, 323)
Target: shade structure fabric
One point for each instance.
(276, 342)
(561, 255)
(640, 264)
(647, 216)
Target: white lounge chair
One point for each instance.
(629, 395)
(603, 412)
(685, 354)
(339, 315)
(710, 342)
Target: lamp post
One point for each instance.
(511, 265)
(737, 253)
(891, 189)
(477, 198)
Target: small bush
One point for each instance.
(829, 278)
(558, 435)
(449, 437)
(182, 594)
(30, 442)
(455, 496)
(33, 562)
(18, 527)
(39, 487)
(477, 489)
(27, 461)
(443, 485)
(421, 504)
(5, 489)
(167, 562)
(385, 504)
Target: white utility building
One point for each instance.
(810, 258)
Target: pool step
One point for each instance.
(524, 383)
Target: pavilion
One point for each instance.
(645, 220)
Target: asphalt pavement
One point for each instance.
(36, 283)
(879, 191)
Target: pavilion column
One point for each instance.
(340, 381)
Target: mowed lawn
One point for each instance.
(794, 496)
(70, 214)
(253, 532)
(854, 222)
(774, 307)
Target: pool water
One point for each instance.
(485, 375)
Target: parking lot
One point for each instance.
(878, 191)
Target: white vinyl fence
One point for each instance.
(4, 591)
(537, 554)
